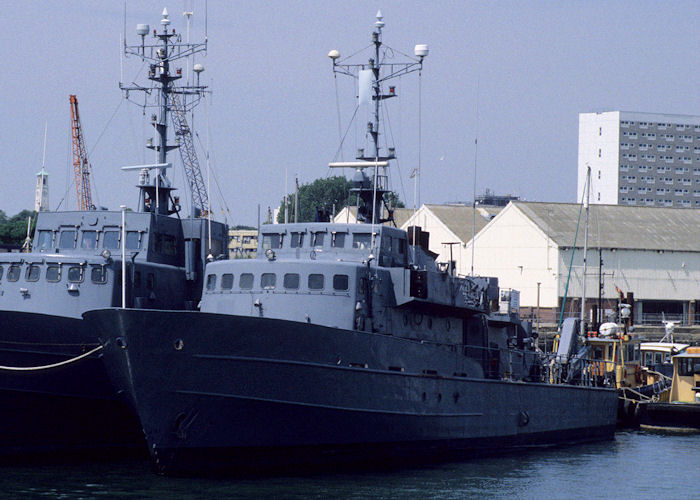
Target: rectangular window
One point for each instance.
(111, 240)
(338, 240)
(133, 240)
(169, 244)
(246, 281)
(211, 281)
(98, 274)
(361, 240)
(89, 240)
(402, 246)
(45, 240)
(297, 240)
(13, 272)
(75, 274)
(272, 240)
(317, 239)
(53, 273)
(315, 282)
(340, 282)
(0, 272)
(32, 273)
(227, 281)
(268, 281)
(67, 239)
(150, 281)
(137, 279)
(291, 281)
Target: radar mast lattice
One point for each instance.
(167, 98)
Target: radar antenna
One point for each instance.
(166, 97)
(370, 79)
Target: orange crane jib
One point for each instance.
(81, 167)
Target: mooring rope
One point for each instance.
(55, 365)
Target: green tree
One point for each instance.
(324, 194)
(13, 231)
(321, 194)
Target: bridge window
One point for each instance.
(211, 281)
(401, 246)
(297, 240)
(268, 281)
(75, 274)
(169, 244)
(53, 273)
(317, 239)
(98, 274)
(67, 239)
(226, 281)
(687, 367)
(13, 272)
(89, 239)
(338, 240)
(340, 282)
(246, 281)
(111, 239)
(133, 240)
(315, 282)
(33, 272)
(162, 243)
(45, 240)
(291, 281)
(272, 240)
(361, 240)
(151, 281)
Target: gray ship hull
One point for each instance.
(243, 393)
(70, 408)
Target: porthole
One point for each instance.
(430, 323)
(405, 319)
(418, 318)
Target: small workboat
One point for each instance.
(681, 411)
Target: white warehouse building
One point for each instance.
(654, 253)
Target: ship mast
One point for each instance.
(162, 95)
(370, 79)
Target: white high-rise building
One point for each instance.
(640, 158)
(41, 197)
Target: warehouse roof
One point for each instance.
(459, 218)
(617, 226)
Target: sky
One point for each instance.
(511, 76)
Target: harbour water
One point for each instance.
(637, 464)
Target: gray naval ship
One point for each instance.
(342, 344)
(54, 392)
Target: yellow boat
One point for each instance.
(682, 410)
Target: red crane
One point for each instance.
(81, 167)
